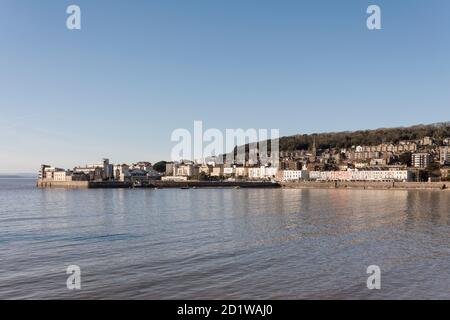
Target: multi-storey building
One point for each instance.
(421, 160)
(444, 155)
(98, 171)
(170, 168)
(229, 171)
(292, 154)
(48, 172)
(42, 171)
(142, 165)
(290, 165)
(363, 155)
(61, 175)
(402, 146)
(121, 172)
(262, 172)
(206, 169)
(217, 171)
(426, 141)
(242, 172)
(186, 170)
(366, 175)
(293, 175)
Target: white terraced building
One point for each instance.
(355, 175)
(262, 172)
(293, 175)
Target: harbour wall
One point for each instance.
(82, 184)
(153, 184)
(62, 184)
(214, 184)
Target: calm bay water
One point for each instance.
(223, 243)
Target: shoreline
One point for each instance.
(367, 185)
(158, 184)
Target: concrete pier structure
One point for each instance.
(153, 184)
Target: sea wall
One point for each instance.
(62, 184)
(214, 184)
(153, 184)
(82, 184)
(366, 185)
(249, 184)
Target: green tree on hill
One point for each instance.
(160, 166)
(405, 158)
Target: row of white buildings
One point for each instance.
(180, 172)
(349, 175)
(185, 171)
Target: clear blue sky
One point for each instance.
(140, 69)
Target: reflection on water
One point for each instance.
(223, 243)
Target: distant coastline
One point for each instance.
(18, 176)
